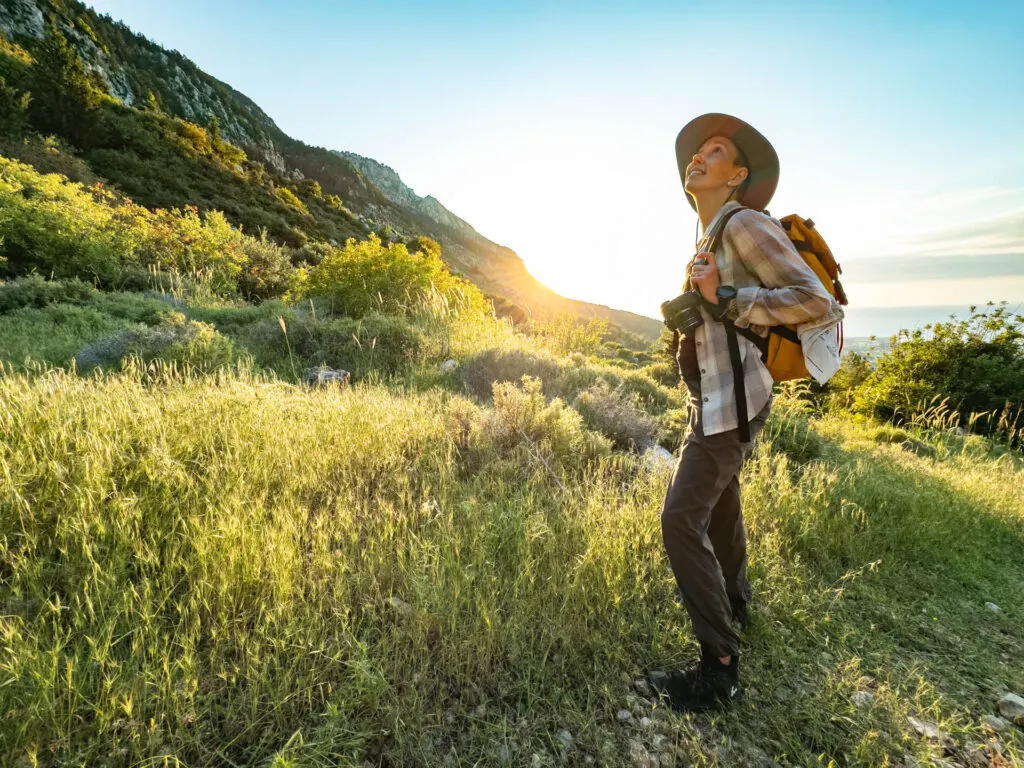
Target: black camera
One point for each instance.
(682, 313)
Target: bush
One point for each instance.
(52, 334)
(376, 342)
(370, 276)
(52, 226)
(267, 268)
(521, 414)
(197, 345)
(976, 364)
(35, 291)
(617, 416)
(481, 371)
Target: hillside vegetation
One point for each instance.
(84, 95)
(455, 559)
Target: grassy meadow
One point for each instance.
(457, 559)
(228, 568)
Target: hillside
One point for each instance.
(168, 135)
(281, 487)
(455, 558)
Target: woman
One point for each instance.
(756, 279)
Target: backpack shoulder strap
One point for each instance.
(716, 239)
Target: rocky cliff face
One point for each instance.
(387, 180)
(132, 68)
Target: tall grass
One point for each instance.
(231, 570)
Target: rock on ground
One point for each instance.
(322, 376)
(641, 757)
(863, 699)
(994, 723)
(927, 729)
(1011, 706)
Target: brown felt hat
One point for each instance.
(764, 162)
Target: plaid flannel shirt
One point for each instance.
(774, 287)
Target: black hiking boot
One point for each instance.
(706, 684)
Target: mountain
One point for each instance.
(169, 135)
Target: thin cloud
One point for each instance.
(916, 267)
(1001, 234)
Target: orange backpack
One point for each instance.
(785, 358)
(781, 351)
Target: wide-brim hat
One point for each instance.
(764, 162)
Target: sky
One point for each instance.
(550, 127)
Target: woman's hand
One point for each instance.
(704, 277)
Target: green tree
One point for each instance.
(13, 106)
(64, 98)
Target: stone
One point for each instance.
(323, 376)
(623, 715)
(863, 699)
(640, 756)
(564, 739)
(642, 687)
(993, 607)
(659, 742)
(646, 722)
(399, 606)
(535, 760)
(1011, 706)
(927, 729)
(657, 457)
(995, 723)
(449, 365)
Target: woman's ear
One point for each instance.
(739, 177)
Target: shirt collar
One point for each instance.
(718, 216)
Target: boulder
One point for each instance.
(1011, 706)
(323, 376)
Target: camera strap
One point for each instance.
(743, 423)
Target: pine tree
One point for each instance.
(64, 100)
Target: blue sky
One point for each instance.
(550, 126)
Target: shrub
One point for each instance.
(266, 270)
(664, 373)
(376, 342)
(35, 291)
(976, 364)
(370, 276)
(521, 414)
(288, 197)
(52, 334)
(481, 371)
(197, 345)
(617, 416)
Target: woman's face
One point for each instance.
(712, 168)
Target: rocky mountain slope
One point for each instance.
(145, 78)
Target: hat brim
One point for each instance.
(764, 162)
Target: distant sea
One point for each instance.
(884, 322)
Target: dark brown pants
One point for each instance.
(702, 526)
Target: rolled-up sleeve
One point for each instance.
(790, 292)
